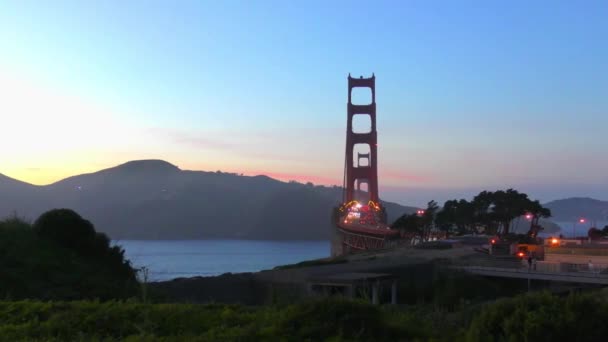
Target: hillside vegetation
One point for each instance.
(538, 317)
(61, 256)
(153, 199)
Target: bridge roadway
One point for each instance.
(543, 272)
(463, 258)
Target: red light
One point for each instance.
(493, 241)
(581, 220)
(520, 254)
(528, 216)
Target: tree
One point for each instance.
(595, 234)
(410, 223)
(491, 210)
(416, 224)
(61, 257)
(537, 211)
(428, 219)
(482, 214)
(497, 210)
(67, 228)
(456, 216)
(508, 205)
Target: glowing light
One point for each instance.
(520, 254)
(528, 216)
(493, 241)
(554, 241)
(582, 220)
(353, 215)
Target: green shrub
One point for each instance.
(330, 319)
(68, 229)
(542, 317)
(36, 263)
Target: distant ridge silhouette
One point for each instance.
(154, 199)
(147, 165)
(574, 208)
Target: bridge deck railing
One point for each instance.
(571, 270)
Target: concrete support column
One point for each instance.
(350, 291)
(375, 287)
(394, 292)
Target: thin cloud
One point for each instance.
(250, 146)
(403, 176)
(190, 138)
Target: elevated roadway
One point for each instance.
(542, 273)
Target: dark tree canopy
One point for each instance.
(61, 257)
(67, 228)
(489, 211)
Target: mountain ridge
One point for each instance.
(573, 208)
(154, 199)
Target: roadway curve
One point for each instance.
(381, 231)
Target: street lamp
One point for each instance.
(580, 220)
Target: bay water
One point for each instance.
(169, 259)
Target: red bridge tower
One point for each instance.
(361, 220)
(357, 173)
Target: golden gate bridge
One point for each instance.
(361, 221)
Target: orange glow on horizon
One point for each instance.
(58, 171)
(50, 175)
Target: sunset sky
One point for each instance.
(471, 95)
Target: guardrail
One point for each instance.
(580, 250)
(544, 273)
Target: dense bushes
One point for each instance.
(538, 317)
(61, 257)
(313, 321)
(543, 317)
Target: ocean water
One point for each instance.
(189, 258)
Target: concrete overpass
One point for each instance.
(543, 272)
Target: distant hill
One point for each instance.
(571, 209)
(153, 199)
(19, 196)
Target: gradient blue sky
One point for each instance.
(471, 95)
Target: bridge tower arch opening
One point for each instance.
(361, 221)
(361, 169)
